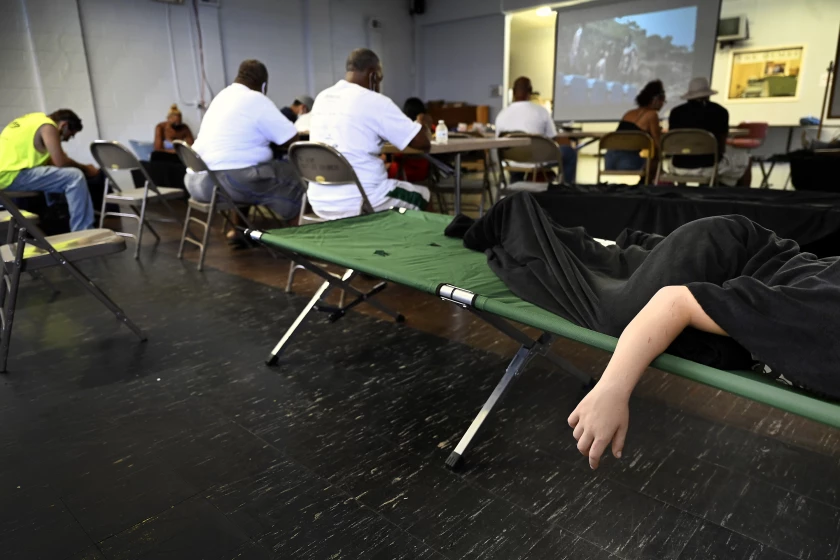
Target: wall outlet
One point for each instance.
(497, 91)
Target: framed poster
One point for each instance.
(767, 74)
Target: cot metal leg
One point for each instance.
(320, 293)
(516, 366)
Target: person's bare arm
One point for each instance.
(52, 142)
(421, 141)
(290, 141)
(603, 415)
(189, 139)
(159, 139)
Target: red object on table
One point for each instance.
(755, 138)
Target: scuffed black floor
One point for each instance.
(189, 447)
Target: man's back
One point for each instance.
(238, 127)
(705, 115)
(357, 122)
(17, 146)
(524, 116)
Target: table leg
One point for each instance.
(457, 183)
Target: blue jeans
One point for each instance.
(54, 181)
(623, 160)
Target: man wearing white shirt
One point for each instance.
(235, 142)
(355, 119)
(524, 116)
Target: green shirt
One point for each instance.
(17, 146)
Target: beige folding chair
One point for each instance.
(326, 166)
(626, 140)
(220, 201)
(29, 250)
(322, 164)
(439, 172)
(542, 152)
(113, 156)
(687, 142)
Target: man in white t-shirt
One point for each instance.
(355, 119)
(235, 142)
(524, 116)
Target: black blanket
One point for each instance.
(780, 306)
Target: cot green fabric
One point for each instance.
(410, 248)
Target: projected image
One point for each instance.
(618, 56)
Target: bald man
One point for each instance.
(524, 116)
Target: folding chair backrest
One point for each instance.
(189, 157)
(113, 156)
(540, 150)
(689, 142)
(323, 164)
(627, 140)
(19, 220)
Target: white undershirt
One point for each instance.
(357, 121)
(238, 127)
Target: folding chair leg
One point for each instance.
(10, 302)
(293, 268)
(516, 366)
(206, 239)
(141, 221)
(184, 232)
(320, 293)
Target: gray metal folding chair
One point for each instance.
(29, 250)
(542, 153)
(113, 156)
(326, 166)
(630, 141)
(687, 142)
(220, 201)
(320, 163)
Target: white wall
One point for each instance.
(813, 23)
(463, 60)
(393, 42)
(43, 66)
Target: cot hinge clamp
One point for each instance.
(456, 295)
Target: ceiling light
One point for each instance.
(545, 11)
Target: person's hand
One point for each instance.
(600, 418)
(91, 170)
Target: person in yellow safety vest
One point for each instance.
(31, 159)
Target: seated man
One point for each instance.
(235, 142)
(301, 106)
(699, 112)
(355, 119)
(524, 116)
(31, 159)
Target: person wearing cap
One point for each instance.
(235, 141)
(173, 128)
(301, 106)
(32, 159)
(700, 112)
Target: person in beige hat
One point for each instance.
(700, 112)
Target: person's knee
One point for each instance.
(74, 177)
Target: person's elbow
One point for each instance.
(421, 142)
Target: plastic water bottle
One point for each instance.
(441, 133)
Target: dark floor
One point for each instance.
(187, 446)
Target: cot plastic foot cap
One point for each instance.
(400, 318)
(272, 360)
(454, 460)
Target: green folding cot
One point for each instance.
(409, 248)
